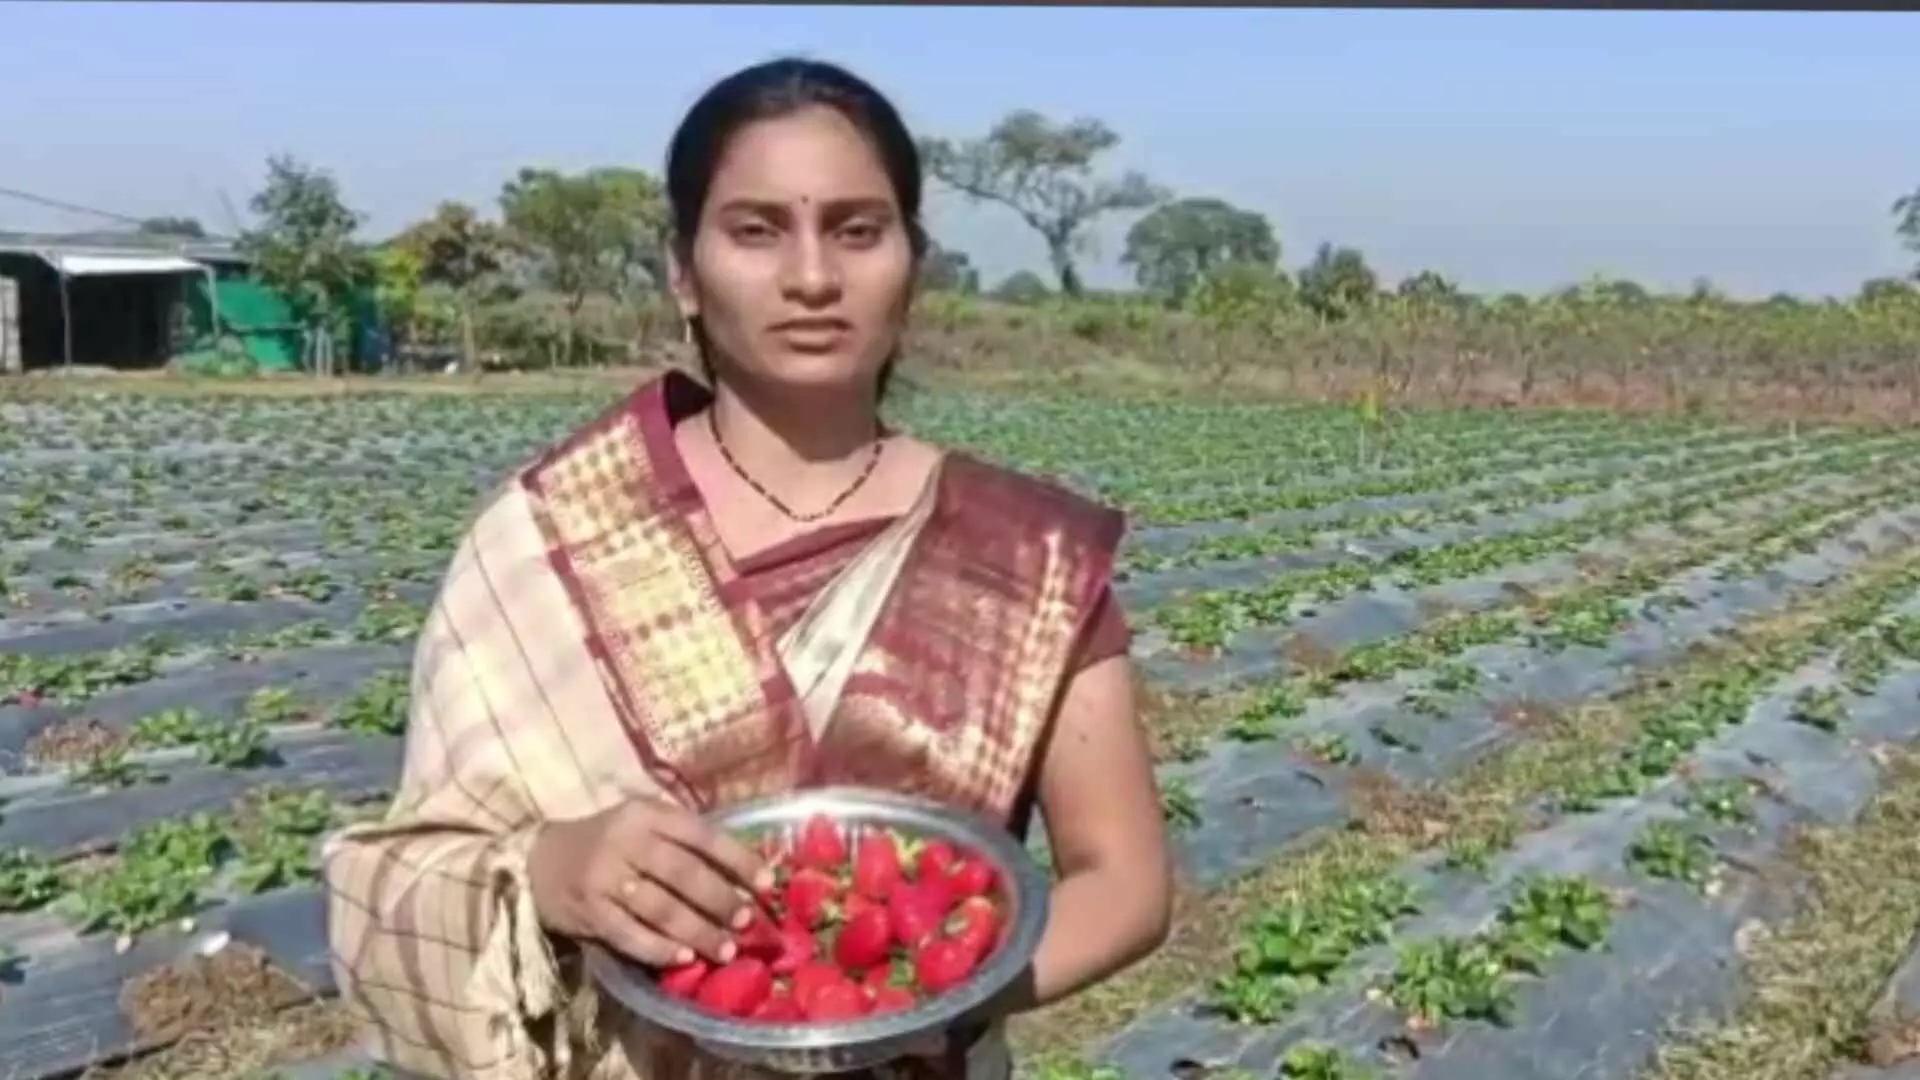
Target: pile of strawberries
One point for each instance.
(846, 934)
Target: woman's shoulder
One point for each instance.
(992, 495)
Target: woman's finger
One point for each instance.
(696, 881)
(618, 929)
(700, 837)
(662, 910)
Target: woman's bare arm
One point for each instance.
(1113, 902)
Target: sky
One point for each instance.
(1507, 150)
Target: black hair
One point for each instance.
(768, 91)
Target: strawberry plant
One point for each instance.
(1179, 805)
(1471, 978)
(1312, 1061)
(1451, 978)
(111, 766)
(1668, 849)
(27, 880)
(1294, 947)
(1475, 853)
(378, 707)
(1820, 707)
(157, 877)
(1729, 801)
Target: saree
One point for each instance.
(594, 642)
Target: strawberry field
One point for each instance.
(1556, 745)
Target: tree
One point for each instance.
(597, 231)
(634, 215)
(1178, 244)
(304, 245)
(945, 269)
(461, 252)
(1337, 283)
(1021, 287)
(1044, 172)
(1430, 288)
(1906, 213)
(398, 278)
(187, 227)
(1885, 293)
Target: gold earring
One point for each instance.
(686, 331)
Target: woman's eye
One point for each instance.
(753, 232)
(861, 233)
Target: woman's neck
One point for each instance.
(782, 442)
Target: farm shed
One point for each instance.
(256, 317)
(121, 305)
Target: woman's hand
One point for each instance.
(647, 878)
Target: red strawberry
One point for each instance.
(779, 1008)
(972, 876)
(892, 973)
(838, 1001)
(810, 977)
(877, 977)
(918, 908)
(876, 865)
(821, 846)
(683, 980)
(975, 923)
(891, 998)
(796, 948)
(761, 938)
(853, 904)
(738, 988)
(942, 964)
(865, 940)
(936, 861)
(810, 896)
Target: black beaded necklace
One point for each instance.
(873, 459)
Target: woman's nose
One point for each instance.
(811, 272)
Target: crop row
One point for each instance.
(210, 606)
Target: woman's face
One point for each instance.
(802, 269)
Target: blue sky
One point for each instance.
(1509, 150)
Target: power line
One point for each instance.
(72, 208)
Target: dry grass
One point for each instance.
(1813, 981)
(245, 1051)
(1017, 351)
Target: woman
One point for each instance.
(709, 596)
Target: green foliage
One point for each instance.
(1337, 283)
(1022, 287)
(305, 246)
(1241, 294)
(600, 231)
(1180, 244)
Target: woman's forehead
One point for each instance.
(812, 156)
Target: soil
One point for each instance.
(1892, 1044)
(1309, 655)
(1384, 806)
(233, 986)
(72, 742)
(1524, 715)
